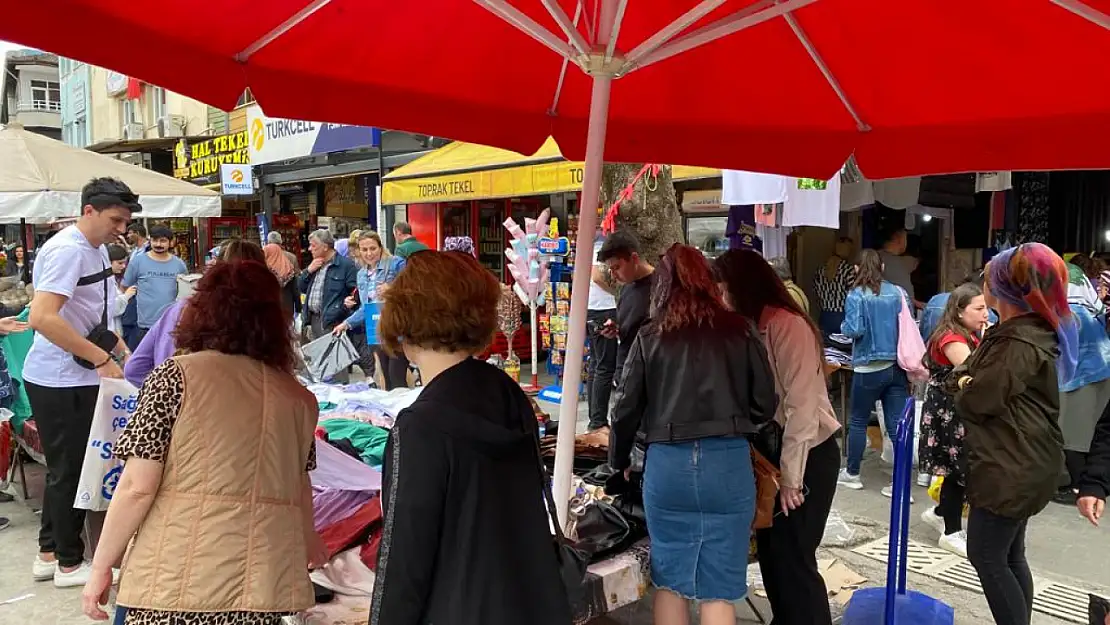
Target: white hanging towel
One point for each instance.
(740, 188)
(854, 195)
(811, 202)
(993, 181)
(898, 193)
(774, 240)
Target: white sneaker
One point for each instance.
(888, 492)
(933, 520)
(924, 480)
(955, 543)
(848, 480)
(79, 576)
(43, 571)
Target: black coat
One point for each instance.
(692, 383)
(1011, 411)
(466, 538)
(1095, 481)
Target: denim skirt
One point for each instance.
(699, 498)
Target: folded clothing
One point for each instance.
(368, 439)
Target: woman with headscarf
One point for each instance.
(283, 270)
(460, 244)
(1008, 396)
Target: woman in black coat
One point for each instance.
(466, 538)
(1094, 485)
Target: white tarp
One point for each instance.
(41, 181)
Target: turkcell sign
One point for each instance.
(275, 139)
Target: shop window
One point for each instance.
(46, 95)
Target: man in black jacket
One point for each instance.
(326, 282)
(621, 255)
(1094, 485)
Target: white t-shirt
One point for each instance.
(63, 260)
(740, 188)
(812, 203)
(600, 299)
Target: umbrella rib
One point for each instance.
(528, 26)
(820, 63)
(668, 32)
(747, 17)
(554, 110)
(570, 29)
(1085, 11)
(283, 28)
(611, 47)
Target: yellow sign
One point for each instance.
(495, 183)
(200, 162)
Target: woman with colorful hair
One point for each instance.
(696, 382)
(1008, 396)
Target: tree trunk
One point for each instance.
(652, 212)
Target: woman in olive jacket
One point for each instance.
(1007, 394)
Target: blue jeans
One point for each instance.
(890, 386)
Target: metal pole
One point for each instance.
(23, 238)
(385, 229)
(580, 290)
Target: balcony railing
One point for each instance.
(40, 105)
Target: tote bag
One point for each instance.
(373, 312)
(911, 349)
(101, 471)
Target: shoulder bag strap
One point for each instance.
(547, 494)
(100, 276)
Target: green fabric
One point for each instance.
(16, 347)
(368, 439)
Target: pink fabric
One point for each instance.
(911, 349)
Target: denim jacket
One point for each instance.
(871, 321)
(1094, 350)
(368, 281)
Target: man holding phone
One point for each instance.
(621, 255)
(602, 310)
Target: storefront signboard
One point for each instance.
(275, 139)
(200, 162)
(236, 179)
(495, 183)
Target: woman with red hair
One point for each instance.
(695, 383)
(215, 480)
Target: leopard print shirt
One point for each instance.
(147, 436)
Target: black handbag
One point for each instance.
(100, 335)
(572, 562)
(768, 441)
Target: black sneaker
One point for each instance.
(4, 523)
(1065, 497)
(6, 498)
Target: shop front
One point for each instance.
(204, 163)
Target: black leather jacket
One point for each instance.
(692, 383)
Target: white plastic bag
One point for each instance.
(888, 444)
(100, 471)
(329, 355)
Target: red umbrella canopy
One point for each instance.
(791, 86)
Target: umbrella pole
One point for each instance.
(23, 236)
(580, 290)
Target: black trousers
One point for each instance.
(951, 506)
(996, 548)
(788, 549)
(395, 369)
(365, 354)
(1075, 461)
(603, 365)
(64, 418)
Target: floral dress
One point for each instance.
(941, 446)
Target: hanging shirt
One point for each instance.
(600, 299)
(811, 202)
(745, 187)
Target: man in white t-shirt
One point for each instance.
(602, 309)
(74, 293)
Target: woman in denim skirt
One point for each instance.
(696, 381)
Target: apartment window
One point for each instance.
(127, 113)
(159, 103)
(46, 95)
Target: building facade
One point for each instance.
(32, 92)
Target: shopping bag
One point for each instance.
(101, 470)
(888, 445)
(911, 349)
(373, 312)
(328, 355)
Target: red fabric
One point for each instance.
(998, 210)
(355, 529)
(1006, 86)
(936, 350)
(5, 449)
(369, 551)
(134, 89)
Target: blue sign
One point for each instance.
(553, 247)
(263, 227)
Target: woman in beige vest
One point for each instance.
(215, 488)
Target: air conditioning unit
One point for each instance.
(168, 126)
(133, 131)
